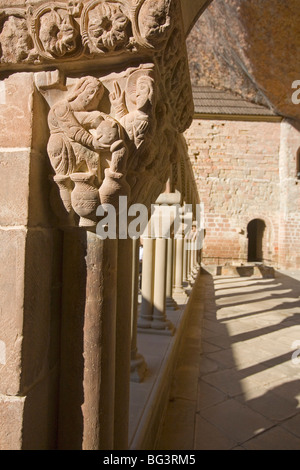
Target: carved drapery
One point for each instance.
(113, 130)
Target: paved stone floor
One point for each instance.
(236, 386)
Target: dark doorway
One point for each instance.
(256, 230)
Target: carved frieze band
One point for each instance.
(69, 30)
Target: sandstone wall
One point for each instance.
(236, 169)
(250, 47)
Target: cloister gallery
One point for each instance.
(186, 108)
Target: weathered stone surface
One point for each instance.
(29, 308)
(250, 47)
(236, 170)
(14, 189)
(11, 419)
(38, 334)
(12, 258)
(16, 97)
(29, 422)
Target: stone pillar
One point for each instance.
(179, 244)
(30, 281)
(137, 364)
(94, 116)
(146, 314)
(170, 302)
(184, 263)
(160, 322)
(188, 263)
(123, 344)
(86, 419)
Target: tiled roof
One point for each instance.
(208, 100)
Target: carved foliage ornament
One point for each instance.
(60, 30)
(55, 33)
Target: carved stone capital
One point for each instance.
(119, 122)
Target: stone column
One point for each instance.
(160, 322)
(87, 116)
(146, 315)
(137, 364)
(188, 263)
(86, 419)
(184, 263)
(179, 244)
(123, 344)
(170, 302)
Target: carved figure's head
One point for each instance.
(144, 91)
(87, 93)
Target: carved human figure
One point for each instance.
(79, 133)
(140, 92)
(70, 121)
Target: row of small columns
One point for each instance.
(169, 267)
(100, 322)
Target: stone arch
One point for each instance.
(255, 234)
(266, 231)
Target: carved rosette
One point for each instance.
(105, 27)
(55, 33)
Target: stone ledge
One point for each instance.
(255, 270)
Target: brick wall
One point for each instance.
(236, 165)
(289, 233)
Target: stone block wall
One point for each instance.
(30, 278)
(289, 240)
(236, 169)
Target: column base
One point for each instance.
(138, 368)
(165, 329)
(178, 290)
(143, 324)
(171, 304)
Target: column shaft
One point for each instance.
(146, 315)
(123, 344)
(88, 342)
(179, 264)
(137, 365)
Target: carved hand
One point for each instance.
(98, 145)
(117, 98)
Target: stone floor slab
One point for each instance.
(274, 439)
(236, 421)
(248, 394)
(208, 437)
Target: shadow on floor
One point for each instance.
(235, 385)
